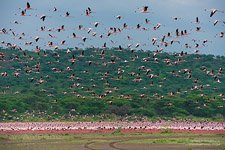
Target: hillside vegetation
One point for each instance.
(65, 84)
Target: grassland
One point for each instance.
(115, 140)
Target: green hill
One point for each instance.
(64, 84)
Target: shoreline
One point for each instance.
(110, 127)
(107, 131)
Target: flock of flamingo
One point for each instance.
(90, 32)
(174, 125)
(159, 43)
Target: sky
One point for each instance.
(105, 12)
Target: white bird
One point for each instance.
(213, 11)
